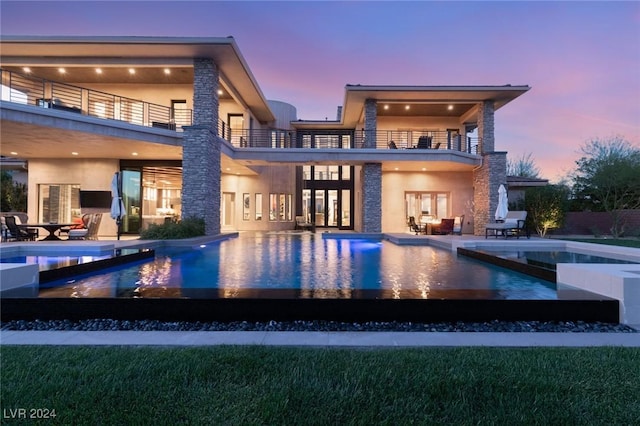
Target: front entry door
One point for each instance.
(330, 209)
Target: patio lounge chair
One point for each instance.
(413, 226)
(20, 234)
(81, 233)
(301, 223)
(514, 224)
(424, 142)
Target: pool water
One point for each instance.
(53, 260)
(307, 266)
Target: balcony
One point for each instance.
(29, 90)
(355, 139)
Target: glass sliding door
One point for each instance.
(345, 210)
(132, 197)
(321, 208)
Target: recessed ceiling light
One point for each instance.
(396, 168)
(98, 70)
(450, 107)
(134, 154)
(386, 107)
(26, 69)
(61, 70)
(167, 71)
(14, 153)
(132, 71)
(424, 169)
(74, 153)
(220, 92)
(407, 107)
(228, 168)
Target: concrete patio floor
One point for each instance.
(317, 339)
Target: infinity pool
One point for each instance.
(305, 266)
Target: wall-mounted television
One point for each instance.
(95, 199)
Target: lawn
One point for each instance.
(320, 386)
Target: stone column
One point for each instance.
(486, 181)
(486, 127)
(371, 177)
(371, 197)
(201, 191)
(370, 123)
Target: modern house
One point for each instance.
(187, 124)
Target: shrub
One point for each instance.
(186, 228)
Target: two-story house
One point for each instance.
(187, 125)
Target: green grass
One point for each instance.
(623, 242)
(310, 386)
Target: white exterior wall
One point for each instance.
(459, 185)
(285, 113)
(90, 174)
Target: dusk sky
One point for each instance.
(581, 59)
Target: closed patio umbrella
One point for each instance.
(117, 205)
(503, 204)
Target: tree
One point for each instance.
(607, 179)
(13, 195)
(524, 166)
(547, 207)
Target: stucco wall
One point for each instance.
(394, 185)
(274, 179)
(90, 174)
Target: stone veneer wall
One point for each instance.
(370, 123)
(486, 127)
(486, 181)
(201, 150)
(372, 197)
(371, 174)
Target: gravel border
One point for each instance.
(152, 325)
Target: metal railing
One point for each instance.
(29, 90)
(426, 139)
(417, 139)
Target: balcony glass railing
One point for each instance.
(29, 90)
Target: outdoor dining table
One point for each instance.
(51, 228)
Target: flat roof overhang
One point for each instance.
(158, 51)
(429, 100)
(400, 160)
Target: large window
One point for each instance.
(427, 205)
(258, 206)
(58, 203)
